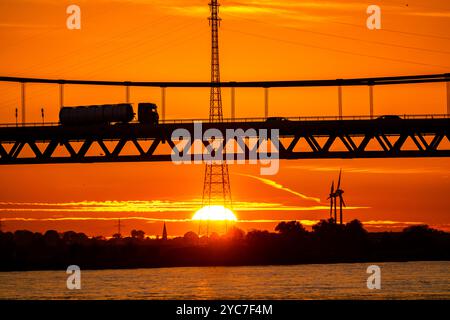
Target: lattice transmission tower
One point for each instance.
(216, 187)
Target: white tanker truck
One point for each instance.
(108, 114)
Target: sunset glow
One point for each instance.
(261, 157)
(259, 40)
(215, 213)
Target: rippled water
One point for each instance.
(404, 280)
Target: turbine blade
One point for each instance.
(342, 200)
(332, 187)
(339, 181)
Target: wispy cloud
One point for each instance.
(203, 11)
(151, 220)
(320, 5)
(380, 225)
(432, 14)
(153, 206)
(148, 220)
(59, 219)
(28, 26)
(390, 222)
(295, 11)
(276, 185)
(159, 210)
(375, 170)
(285, 9)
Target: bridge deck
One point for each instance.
(411, 136)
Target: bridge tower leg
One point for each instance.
(61, 95)
(127, 94)
(216, 186)
(233, 103)
(371, 100)
(163, 103)
(340, 101)
(22, 94)
(266, 103)
(448, 97)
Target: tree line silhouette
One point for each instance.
(291, 243)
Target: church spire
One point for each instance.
(164, 233)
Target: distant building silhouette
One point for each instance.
(164, 233)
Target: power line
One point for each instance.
(424, 35)
(53, 29)
(339, 50)
(93, 60)
(92, 46)
(352, 38)
(155, 50)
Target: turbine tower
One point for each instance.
(216, 187)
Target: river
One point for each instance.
(399, 280)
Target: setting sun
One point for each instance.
(224, 158)
(215, 213)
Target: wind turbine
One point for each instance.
(338, 194)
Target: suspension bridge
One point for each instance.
(371, 136)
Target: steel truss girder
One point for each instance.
(338, 141)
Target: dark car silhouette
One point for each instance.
(389, 117)
(276, 119)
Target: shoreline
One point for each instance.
(232, 265)
(328, 243)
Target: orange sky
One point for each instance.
(259, 40)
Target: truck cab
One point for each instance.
(147, 113)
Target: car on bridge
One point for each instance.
(389, 117)
(276, 119)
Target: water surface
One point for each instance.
(403, 280)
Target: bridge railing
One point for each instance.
(312, 118)
(256, 119)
